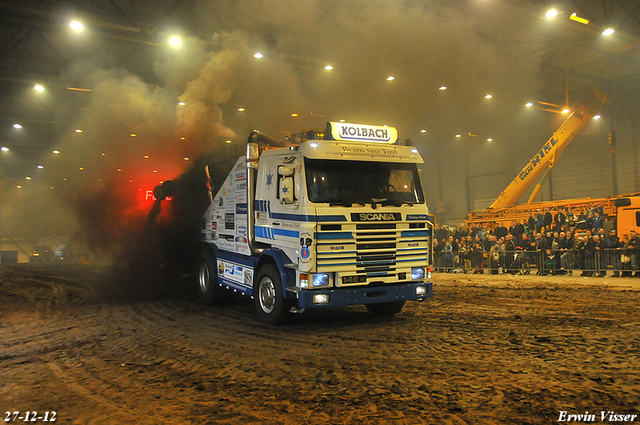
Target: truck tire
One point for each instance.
(209, 291)
(271, 305)
(385, 309)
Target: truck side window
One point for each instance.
(638, 218)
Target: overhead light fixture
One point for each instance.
(328, 68)
(423, 131)
(294, 115)
(133, 134)
(186, 158)
(16, 125)
(19, 187)
(38, 87)
(490, 139)
(56, 151)
(258, 55)
(228, 142)
(341, 120)
(391, 78)
(4, 149)
(181, 103)
(528, 104)
(40, 167)
(146, 157)
(442, 88)
(596, 117)
(175, 41)
(76, 25)
(241, 109)
(28, 178)
(608, 31)
(574, 17)
(489, 96)
(551, 13)
(78, 130)
(458, 136)
(566, 110)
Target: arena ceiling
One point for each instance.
(38, 47)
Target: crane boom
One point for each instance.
(551, 151)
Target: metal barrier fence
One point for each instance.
(619, 262)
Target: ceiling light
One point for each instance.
(258, 55)
(4, 149)
(181, 103)
(423, 131)
(28, 178)
(574, 17)
(119, 169)
(146, 157)
(19, 187)
(78, 130)
(81, 168)
(566, 110)
(186, 158)
(175, 41)
(391, 78)
(294, 115)
(228, 142)
(551, 13)
(528, 104)
(458, 135)
(133, 135)
(608, 31)
(489, 96)
(341, 120)
(40, 167)
(489, 139)
(76, 25)
(442, 88)
(16, 125)
(38, 87)
(328, 68)
(596, 117)
(55, 151)
(241, 109)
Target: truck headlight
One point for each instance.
(320, 279)
(321, 298)
(421, 290)
(417, 273)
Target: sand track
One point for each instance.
(485, 349)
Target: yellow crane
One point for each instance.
(546, 158)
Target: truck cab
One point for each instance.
(325, 223)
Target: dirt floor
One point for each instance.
(485, 349)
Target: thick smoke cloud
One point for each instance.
(422, 45)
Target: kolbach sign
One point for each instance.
(362, 133)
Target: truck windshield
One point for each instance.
(347, 182)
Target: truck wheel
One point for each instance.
(208, 289)
(267, 294)
(385, 309)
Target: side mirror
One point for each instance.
(286, 170)
(286, 190)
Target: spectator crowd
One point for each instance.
(555, 241)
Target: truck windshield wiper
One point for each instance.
(340, 202)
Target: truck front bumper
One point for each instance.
(364, 295)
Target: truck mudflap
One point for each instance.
(364, 295)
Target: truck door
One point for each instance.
(278, 213)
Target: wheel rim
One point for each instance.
(204, 278)
(267, 295)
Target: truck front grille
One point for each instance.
(377, 252)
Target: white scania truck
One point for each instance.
(332, 222)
